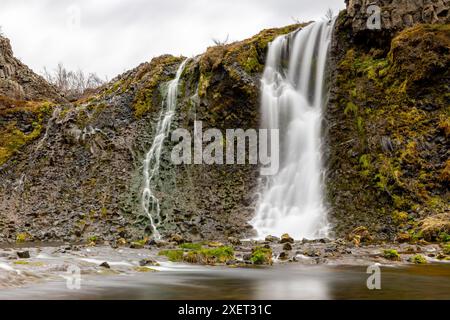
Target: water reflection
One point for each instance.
(283, 282)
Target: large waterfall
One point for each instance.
(150, 203)
(293, 97)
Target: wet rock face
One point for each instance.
(398, 14)
(17, 81)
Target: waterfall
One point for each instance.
(293, 97)
(150, 203)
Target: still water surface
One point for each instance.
(280, 282)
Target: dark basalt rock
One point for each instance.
(23, 254)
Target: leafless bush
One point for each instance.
(329, 15)
(219, 42)
(72, 83)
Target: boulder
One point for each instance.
(177, 238)
(283, 255)
(148, 262)
(397, 15)
(403, 237)
(272, 239)
(286, 238)
(234, 241)
(23, 254)
(360, 235)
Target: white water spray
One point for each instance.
(293, 97)
(150, 203)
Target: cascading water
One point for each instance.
(293, 97)
(150, 203)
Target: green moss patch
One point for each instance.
(20, 114)
(261, 256)
(172, 255)
(391, 254)
(200, 255)
(418, 259)
(391, 111)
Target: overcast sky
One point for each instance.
(111, 36)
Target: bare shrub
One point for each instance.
(219, 42)
(72, 84)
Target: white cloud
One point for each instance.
(116, 35)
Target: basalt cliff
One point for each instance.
(72, 171)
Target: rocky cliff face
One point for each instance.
(83, 177)
(25, 103)
(74, 171)
(397, 15)
(388, 121)
(17, 81)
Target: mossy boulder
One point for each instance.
(391, 254)
(418, 259)
(446, 249)
(286, 238)
(432, 228)
(261, 256)
(197, 254)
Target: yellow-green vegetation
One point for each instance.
(444, 237)
(172, 255)
(399, 217)
(29, 263)
(416, 236)
(86, 111)
(210, 255)
(22, 237)
(261, 256)
(445, 173)
(144, 269)
(151, 76)
(392, 112)
(140, 243)
(391, 254)
(93, 239)
(200, 255)
(12, 138)
(418, 259)
(249, 55)
(434, 228)
(446, 249)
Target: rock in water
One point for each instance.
(23, 254)
(105, 265)
(286, 238)
(136, 245)
(147, 262)
(272, 239)
(283, 255)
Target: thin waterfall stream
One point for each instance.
(150, 202)
(293, 97)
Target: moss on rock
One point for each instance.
(21, 122)
(391, 254)
(389, 114)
